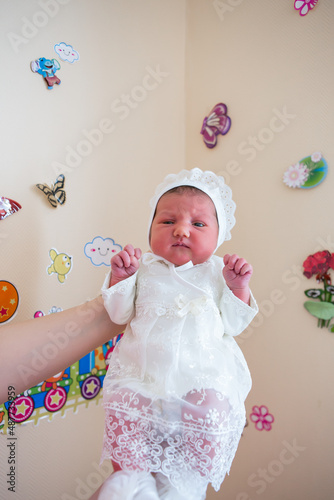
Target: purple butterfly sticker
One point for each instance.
(216, 123)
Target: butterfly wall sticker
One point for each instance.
(56, 193)
(216, 123)
(8, 207)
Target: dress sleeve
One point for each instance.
(236, 314)
(119, 300)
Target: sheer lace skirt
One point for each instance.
(191, 440)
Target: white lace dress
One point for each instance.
(177, 380)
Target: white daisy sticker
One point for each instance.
(307, 173)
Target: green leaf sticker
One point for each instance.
(317, 172)
(321, 310)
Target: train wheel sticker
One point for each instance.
(21, 409)
(9, 301)
(55, 399)
(90, 387)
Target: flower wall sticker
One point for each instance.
(304, 6)
(262, 418)
(318, 265)
(216, 123)
(307, 173)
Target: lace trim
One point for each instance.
(192, 446)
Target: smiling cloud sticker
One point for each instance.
(66, 52)
(100, 250)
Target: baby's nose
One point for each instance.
(181, 231)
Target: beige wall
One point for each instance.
(258, 57)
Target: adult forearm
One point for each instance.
(34, 350)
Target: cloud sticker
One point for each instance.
(66, 52)
(100, 250)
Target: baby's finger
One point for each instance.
(126, 258)
(239, 265)
(137, 253)
(118, 260)
(226, 258)
(246, 269)
(232, 261)
(129, 249)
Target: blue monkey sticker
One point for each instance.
(47, 68)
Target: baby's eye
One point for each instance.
(167, 222)
(199, 224)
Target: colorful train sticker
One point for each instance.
(78, 384)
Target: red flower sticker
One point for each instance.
(318, 264)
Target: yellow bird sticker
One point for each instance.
(61, 264)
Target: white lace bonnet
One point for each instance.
(211, 184)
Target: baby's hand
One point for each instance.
(124, 264)
(237, 273)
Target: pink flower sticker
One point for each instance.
(262, 418)
(296, 175)
(304, 6)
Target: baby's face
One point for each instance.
(184, 228)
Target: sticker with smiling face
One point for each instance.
(61, 264)
(66, 52)
(100, 250)
(47, 68)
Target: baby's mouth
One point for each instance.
(180, 244)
